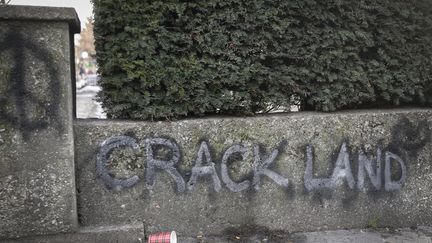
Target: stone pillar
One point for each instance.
(37, 179)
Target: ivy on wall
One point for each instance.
(173, 58)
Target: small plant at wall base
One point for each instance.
(171, 59)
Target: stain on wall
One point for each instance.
(410, 137)
(19, 106)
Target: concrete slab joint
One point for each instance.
(37, 180)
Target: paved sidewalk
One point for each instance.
(86, 105)
(418, 235)
(135, 234)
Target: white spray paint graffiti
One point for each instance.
(205, 167)
(342, 171)
(102, 159)
(365, 163)
(261, 168)
(208, 170)
(167, 166)
(233, 186)
(391, 185)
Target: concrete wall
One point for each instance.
(37, 182)
(304, 171)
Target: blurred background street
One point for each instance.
(86, 75)
(86, 105)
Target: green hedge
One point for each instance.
(169, 59)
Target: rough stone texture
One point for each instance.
(107, 197)
(119, 234)
(37, 185)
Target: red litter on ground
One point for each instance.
(163, 237)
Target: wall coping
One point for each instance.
(38, 13)
(281, 115)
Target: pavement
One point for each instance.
(86, 105)
(135, 233)
(417, 235)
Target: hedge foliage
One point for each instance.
(175, 58)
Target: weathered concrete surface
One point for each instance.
(119, 189)
(119, 234)
(41, 14)
(37, 186)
